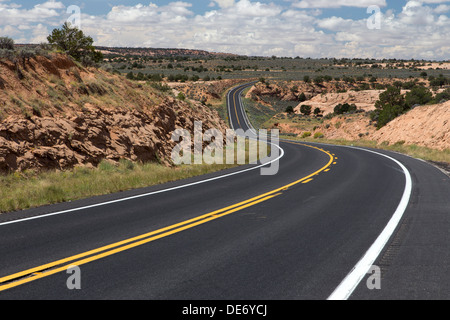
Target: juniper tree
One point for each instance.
(72, 41)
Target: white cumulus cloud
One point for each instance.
(251, 27)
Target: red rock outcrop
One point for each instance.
(47, 122)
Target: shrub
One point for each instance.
(6, 43)
(160, 87)
(181, 96)
(397, 84)
(305, 109)
(349, 79)
(439, 81)
(418, 95)
(391, 96)
(95, 87)
(408, 85)
(290, 109)
(7, 54)
(178, 78)
(443, 96)
(390, 105)
(306, 135)
(302, 97)
(387, 114)
(72, 41)
(344, 108)
(318, 80)
(26, 54)
(319, 135)
(140, 76)
(154, 77)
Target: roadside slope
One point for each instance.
(56, 114)
(427, 126)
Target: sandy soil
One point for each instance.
(425, 126)
(364, 100)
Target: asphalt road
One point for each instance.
(238, 234)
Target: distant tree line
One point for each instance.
(172, 78)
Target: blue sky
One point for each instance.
(308, 28)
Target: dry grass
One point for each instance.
(28, 189)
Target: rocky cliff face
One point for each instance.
(58, 115)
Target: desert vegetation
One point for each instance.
(73, 42)
(86, 110)
(70, 125)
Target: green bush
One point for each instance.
(6, 43)
(345, 108)
(319, 135)
(390, 105)
(387, 114)
(302, 97)
(72, 41)
(306, 110)
(306, 135)
(443, 96)
(194, 78)
(7, 54)
(319, 80)
(154, 77)
(181, 96)
(290, 109)
(160, 87)
(418, 95)
(439, 81)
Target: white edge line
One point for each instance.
(352, 280)
(147, 194)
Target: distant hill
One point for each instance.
(160, 52)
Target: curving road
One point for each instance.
(304, 233)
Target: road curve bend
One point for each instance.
(241, 235)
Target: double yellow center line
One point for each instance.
(62, 265)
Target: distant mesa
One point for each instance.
(161, 52)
